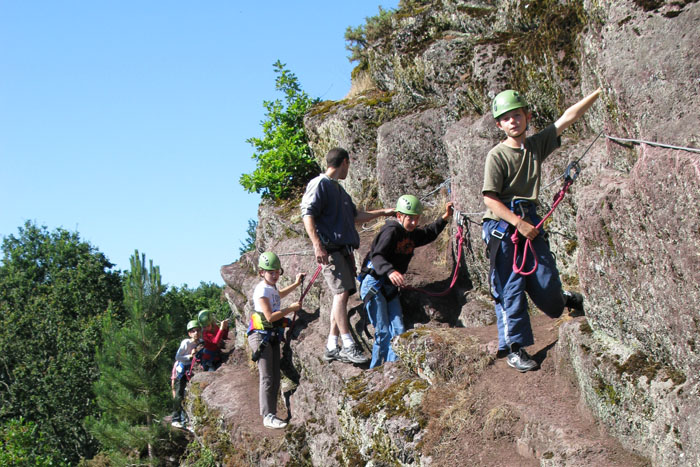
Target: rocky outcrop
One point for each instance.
(626, 236)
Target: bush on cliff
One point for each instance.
(284, 161)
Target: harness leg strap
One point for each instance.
(494, 244)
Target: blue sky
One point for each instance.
(126, 121)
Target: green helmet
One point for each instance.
(409, 204)
(507, 101)
(269, 261)
(192, 325)
(204, 317)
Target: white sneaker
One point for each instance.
(271, 421)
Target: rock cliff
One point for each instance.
(619, 386)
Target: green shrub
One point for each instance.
(284, 161)
(21, 443)
(358, 39)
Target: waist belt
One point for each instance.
(271, 335)
(389, 291)
(332, 248)
(522, 207)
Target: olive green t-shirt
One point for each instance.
(515, 173)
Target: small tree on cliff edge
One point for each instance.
(134, 369)
(283, 156)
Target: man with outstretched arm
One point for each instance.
(329, 216)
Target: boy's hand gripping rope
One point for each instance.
(571, 174)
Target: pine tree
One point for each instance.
(132, 391)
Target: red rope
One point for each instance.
(528, 243)
(460, 241)
(303, 294)
(313, 278)
(188, 373)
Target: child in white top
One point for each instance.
(266, 331)
(183, 363)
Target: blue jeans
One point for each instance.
(386, 317)
(509, 288)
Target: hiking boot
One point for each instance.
(574, 301)
(271, 421)
(334, 354)
(521, 361)
(353, 354)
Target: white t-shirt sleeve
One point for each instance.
(262, 290)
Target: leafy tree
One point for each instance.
(53, 290)
(184, 303)
(133, 388)
(22, 443)
(284, 161)
(249, 244)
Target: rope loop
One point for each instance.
(568, 181)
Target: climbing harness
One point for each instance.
(269, 336)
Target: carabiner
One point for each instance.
(572, 167)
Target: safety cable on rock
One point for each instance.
(652, 143)
(297, 253)
(575, 162)
(468, 215)
(446, 182)
(568, 181)
(439, 187)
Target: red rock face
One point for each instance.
(639, 255)
(627, 235)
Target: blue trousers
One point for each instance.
(385, 316)
(509, 288)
